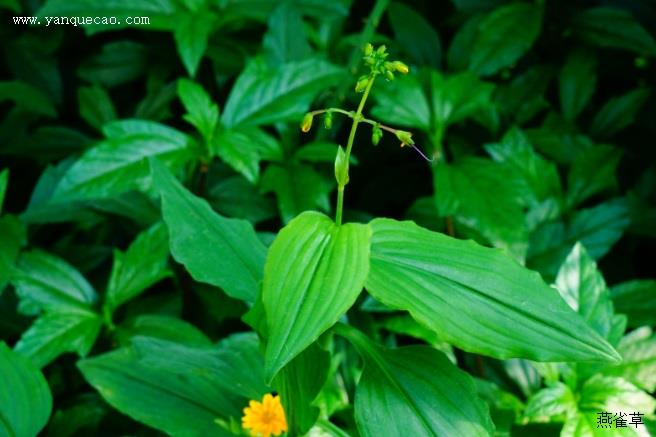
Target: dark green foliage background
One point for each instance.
(540, 117)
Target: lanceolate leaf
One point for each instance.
(638, 366)
(4, 179)
(51, 283)
(415, 391)
(636, 299)
(25, 399)
(476, 298)
(55, 333)
(217, 250)
(577, 82)
(314, 272)
(618, 113)
(13, 237)
(142, 265)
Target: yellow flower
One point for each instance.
(265, 418)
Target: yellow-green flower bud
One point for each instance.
(328, 120)
(362, 83)
(401, 67)
(341, 167)
(389, 75)
(376, 134)
(368, 49)
(405, 137)
(306, 125)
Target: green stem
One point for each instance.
(349, 146)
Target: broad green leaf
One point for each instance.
(28, 97)
(163, 328)
(25, 399)
(636, 299)
(592, 172)
(558, 140)
(191, 34)
(51, 283)
(234, 196)
(540, 176)
(96, 107)
(524, 97)
(202, 113)
(314, 272)
(263, 95)
(415, 35)
(119, 62)
(583, 288)
(4, 180)
(298, 188)
(14, 236)
(141, 266)
(598, 229)
(608, 393)
(638, 366)
(285, 41)
(500, 41)
(399, 393)
(462, 191)
(217, 250)
(55, 333)
(557, 400)
(462, 44)
(618, 113)
(179, 389)
(239, 151)
(476, 298)
(403, 102)
(576, 82)
(614, 28)
(298, 384)
(117, 164)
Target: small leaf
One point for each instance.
(25, 399)
(4, 180)
(314, 272)
(614, 28)
(608, 393)
(141, 266)
(476, 298)
(285, 41)
(27, 96)
(96, 106)
(415, 35)
(398, 393)
(403, 103)
(500, 42)
(201, 111)
(618, 113)
(636, 299)
(552, 401)
(51, 283)
(638, 366)
(592, 172)
(216, 250)
(14, 236)
(163, 328)
(191, 34)
(58, 332)
(577, 82)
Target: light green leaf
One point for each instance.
(239, 150)
(460, 50)
(28, 97)
(191, 34)
(96, 106)
(618, 113)
(614, 28)
(476, 298)
(462, 190)
(25, 399)
(500, 42)
(592, 172)
(179, 389)
(51, 283)
(14, 236)
(576, 82)
(586, 424)
(201, 111)
(263, 95)
(584, 289)
(141, 266)
(457, 97)
(636, 299)
(398, 393)
(608, 393)
(58, 332)
(402, 102)
(298, 384)
(163, 328)
(557, 400)
(638, 366)
(217, 250)
(415, 35)
(314, 272)
(117, 164)
(285, 41)
(298, 188)
(4, 180)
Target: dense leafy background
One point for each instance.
(146, 170)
